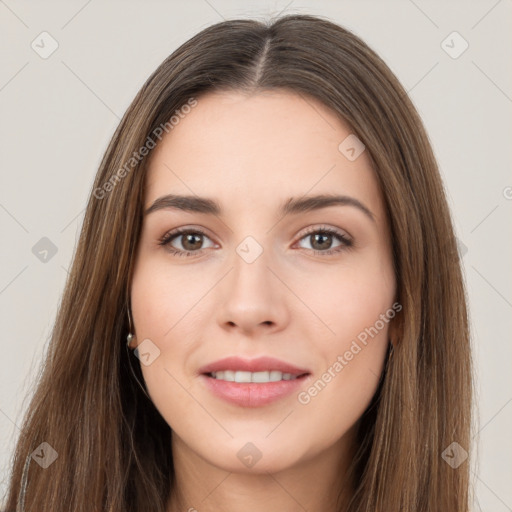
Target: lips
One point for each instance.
(259, 364)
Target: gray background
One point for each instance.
(58, 114)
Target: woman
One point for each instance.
(266, 303)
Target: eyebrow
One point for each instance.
(290, 206)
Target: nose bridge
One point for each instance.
(250, 295)
(251, 273)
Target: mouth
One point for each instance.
(262, 377)
(261, 369)
(253, 383)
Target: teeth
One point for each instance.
(261, 377)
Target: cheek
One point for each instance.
(168, 310)
(164, 299)
(355, 306)
(348, 298)
(161, 303)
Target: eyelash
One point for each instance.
(165, 241)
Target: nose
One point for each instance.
(252, 298)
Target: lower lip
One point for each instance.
(252, 394)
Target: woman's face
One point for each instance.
(263, 271)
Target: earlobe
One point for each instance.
(129, 340)
(393, 337)
(131, 336)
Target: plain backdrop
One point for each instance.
(59, 111)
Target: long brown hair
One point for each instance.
(114, 448)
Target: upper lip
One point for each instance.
(259, 364)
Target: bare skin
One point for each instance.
(294, 302)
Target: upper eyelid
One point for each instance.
(338, 231)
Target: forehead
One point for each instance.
(255, 150)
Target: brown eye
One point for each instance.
(191, 241)
(184, 242)
(322, 240)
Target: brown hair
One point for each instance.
(114, 448)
